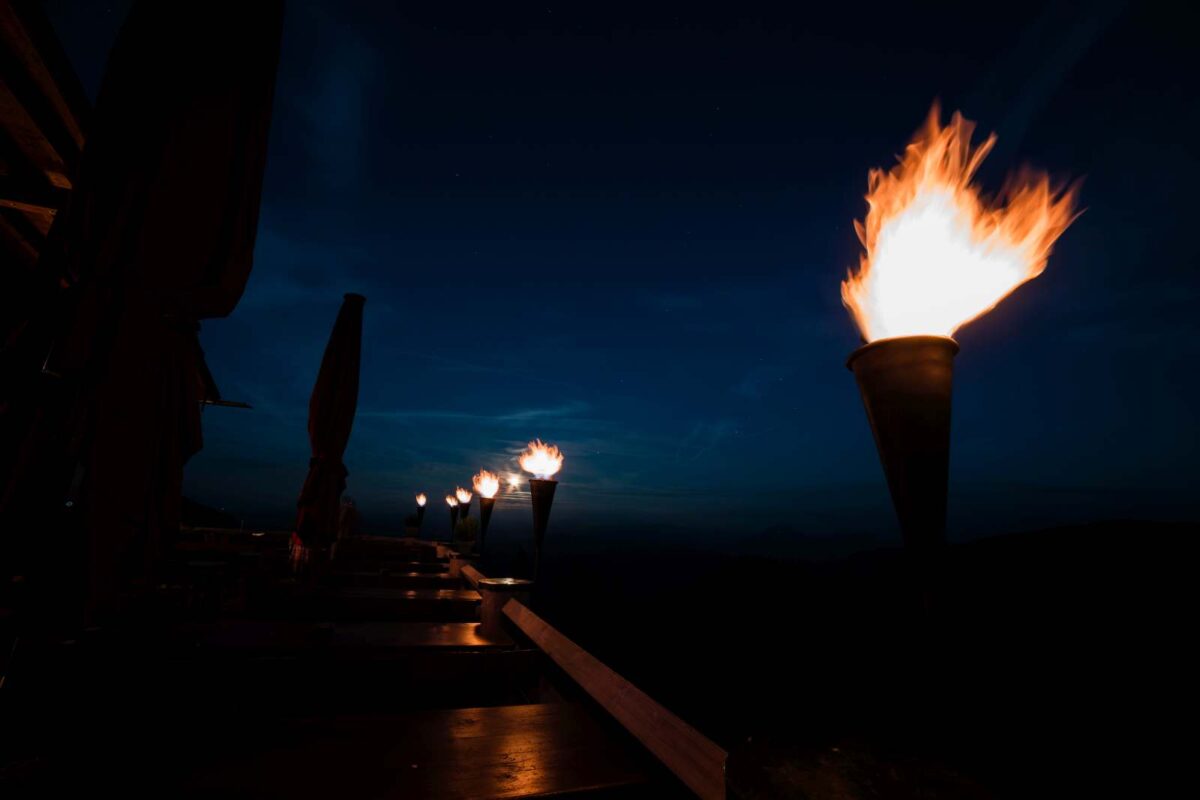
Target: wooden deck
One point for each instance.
(362, 692)
(507, 751)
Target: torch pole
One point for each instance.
(541, 493)
(420, 519)
(453, 522)
(906, 385)
(486, 504)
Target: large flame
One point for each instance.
(486, 483)
(451, 500)
(463, 495)
(421, 500)
(938, 253)
(543, 460)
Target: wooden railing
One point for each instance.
(472, 575)
(694, 759)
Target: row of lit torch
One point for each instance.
(937, 255)
(542, 461)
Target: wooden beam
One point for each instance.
(17, 243)
(37, 70)
(29, 140)
(694, 759)
(472, 575)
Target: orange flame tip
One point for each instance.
(543, 460)
(486, 483)
(938, 254)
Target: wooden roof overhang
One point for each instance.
(43, 115)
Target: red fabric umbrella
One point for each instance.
(330, 418)
(159, 234)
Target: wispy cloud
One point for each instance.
(759, 378)
(333, 105)
(517, 416)
(704, 436)
(458, 366)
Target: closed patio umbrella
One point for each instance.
(330, 418)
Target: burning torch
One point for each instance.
(937, 255)
(464, 502)
(486, 485)
(421, 500)
(544, 461)
(452, 501)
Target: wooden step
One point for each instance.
(278, 638)
(397, 580)
(343, 565)
(443, 605)
(504, 751)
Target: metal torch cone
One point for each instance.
(542, 494)
(464, 510)
(453, 521)
(906, 386)
(420, 519)
(486, 504)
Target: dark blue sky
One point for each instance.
(622, 230)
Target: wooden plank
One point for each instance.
(280, 636)
(31, 43)
(398, 580)
(448, 595)
(29, 139)
(413, 635)
(472, 575)
(498, 752)
(694, 759)
(16, 242)
(387, 565)
(443, 605)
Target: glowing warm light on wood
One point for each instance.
(543, 460)
(938, 252)
(486, 483)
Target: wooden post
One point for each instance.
(495, 592)
(457, 562)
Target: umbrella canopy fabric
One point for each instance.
(159, 234)
(330, 418)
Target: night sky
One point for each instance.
(622, 230)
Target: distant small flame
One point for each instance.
(421, 499)
(451, 500)
(938, 253)
(486, 483)
(463, 495)
(514, 481)
(543, 460)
